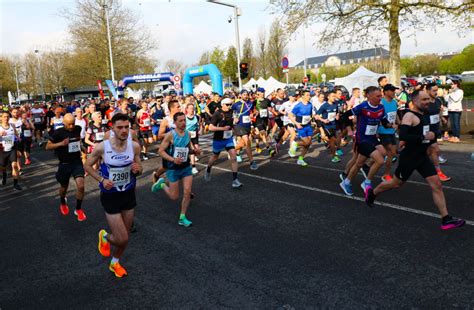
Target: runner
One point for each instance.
(369, 115)
(416, 135)
(8, 150)
(194, 127)
(26, 137)
(327, 115)
(221, 124)
(243, 110)
(15, 121)
(301, 116)
(261, 125)
(66, 141)
(278, 122)
(81, 122)
(95, 133)
(387, 135)
(157, 115)
(144, 122)
(56, 121)
(433, 114)
(175, 149)
(38, 116)
(285, 110)
(120, 157)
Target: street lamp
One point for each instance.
(110, 42)
(41, 75)
(236, 18)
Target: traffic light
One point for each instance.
(244, 70)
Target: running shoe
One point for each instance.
(443, 177)
(145, 157)
(272, 153)
(158, 185)
(291, 153)
(20, 172)
(347, 188)
(339, 152)
(370, 197)
(236, 183)
(293, 146)
(302, 163)
(104, 245)
(365, 170)
(17, 187)
(81, 216)
(449, 222)
(258, 150)
(64, 208)
(118, 270)
(442, 159)
(342, 176)
(196, 158)
(27, 162)
(194, 171)
(207, 176)
(185, 222)
(253, 165)
(335, 159)
(365, 186)
(239, 158)
(386, 178)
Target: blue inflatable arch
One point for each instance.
(211, 70)
(143, 78)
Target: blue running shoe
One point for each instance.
(347, 188)
(158, 185)
(339, 153)
(185, 222)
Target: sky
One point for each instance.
(185, 29)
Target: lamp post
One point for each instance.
(17, 84)
(237, 39)
(43, 95)
(110, 42)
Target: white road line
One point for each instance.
(328, 192)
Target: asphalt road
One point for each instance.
(288, 239)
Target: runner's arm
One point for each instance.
(163, 146)
(407, 122)
(92, 159)
(137, 168)
(162, 131)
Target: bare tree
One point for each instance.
(262, 61)
(355, 22)
(276, 48)
(174, 66)
(248, 56)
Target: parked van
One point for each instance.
(467, 76)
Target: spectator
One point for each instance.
(454, 98)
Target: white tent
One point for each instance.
(272, 84)
(202, 87)
(261, 82)
(249, 84)
(361, 78)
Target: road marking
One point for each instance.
(328, 192)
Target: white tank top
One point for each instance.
(8, 140)
(113, 158)
(17, 124)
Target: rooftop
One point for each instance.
(371, 52)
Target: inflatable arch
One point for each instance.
(143, 78)
(211, 70)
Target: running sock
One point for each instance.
(114, 260)
(182, 216)
(194, 166)
(63, 200)
(300, 158)
(208, 169)
(78, 204)
(234, 175)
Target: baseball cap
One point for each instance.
(227, 101)
(243, 91)
(388, 87)
(261, 90)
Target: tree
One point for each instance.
(90, 60)
(248, 57)
(174, 66)
(204, 59)
(217, 57)
(276, 48)
(355, 22)
(230, 65)
(261, 57)
(459, 63)
(8, 78)
(54, 71)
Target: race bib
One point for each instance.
(27, 133)
(331, 116)
(146, 122)
(193, 134)
(445, 112)
(227, 134)
(245, 119)
(371, 130)
(120, 176)
(391, 117)
(99, 136)
(263, 113)
(305, 119)
(37, 120)
(426, 129)
(181, 153)
(7, 143)
(74, 147)
(434, 119)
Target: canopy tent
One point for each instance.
(361, 78)
(249, 84)
(261, 82)
(273, 84)
(202, 87)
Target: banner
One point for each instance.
(112, 89)
(101, 91)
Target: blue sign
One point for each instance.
(285, 62)
(143, 78)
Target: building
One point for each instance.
(346, 58)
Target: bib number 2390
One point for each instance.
(120, 176)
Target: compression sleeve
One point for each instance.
(405, 136)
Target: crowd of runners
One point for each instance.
(107, 140)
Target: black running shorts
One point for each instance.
(408, 164)
(7, 157)
(68, 170)
(117, 202)
(365, 148)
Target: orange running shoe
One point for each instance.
(64, 209)
(118, 270)
(443, 177)
(81, 216)
(104, 246)
(27, 162)
(387, 178)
